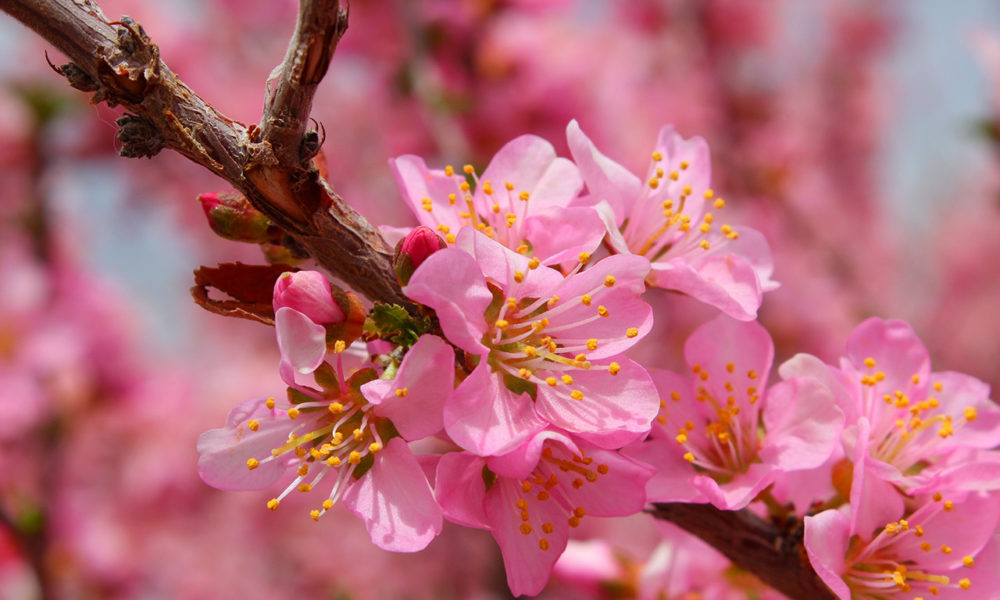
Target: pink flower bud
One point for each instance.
(309, 293)
(414, 250)
(232, 217)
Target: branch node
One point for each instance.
(139, 137)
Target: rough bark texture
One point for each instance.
(269, 163)
(775, 555)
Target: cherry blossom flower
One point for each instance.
(908, 428)
(546, 348)
(522, 200)
(354, 432)
(530, 498)
(944, 550)
(669, 218)
(707, 442)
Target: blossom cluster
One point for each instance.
(510, 401)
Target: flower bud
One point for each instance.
(413, 250)
(311, 294)
(232, 217)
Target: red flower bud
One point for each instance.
(232, 217)
(413, 250)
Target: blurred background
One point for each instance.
(860, 137)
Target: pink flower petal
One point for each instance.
(224, 452)
(728, 283)
(452, 284)
(416, 182)
(826, 536)
(606, 180)
(559, 235)
(427, 373)
(461, 490)
(302, 343)
(803, 424)
(485, 418)
(528, 566)
(395, 501)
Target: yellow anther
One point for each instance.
(674, 175)
(603, 311)
(964, 583)
(925, 546)
(945, 548)
(314, 515)
(252, 463)
(254, 425)
(937, 386)
(303, 469)
(374, 447)
(273, 504)
(552, 381)
(752, 374)
(689, 457)
(293, 413)
(686, 191)
(719, 204)
(523, 196)
(704, 244)
(915, 379)
(488, 190)
(354, 457)
(870, 362)
(402, 392)
(305, 487)
(526, 529)
(449, 170)
(704, 228)
(568, 380)
(682, 438)
(333, 461)
(452, 198)
(657, 156)
(543, 544)
(970, 413)
(684, 165)
(576, 395)
(502, 323)
(659, 172)
(948, 505)
(530, 351)
(495, 208)
(534, 263)
(592, 344)
(358, 434)
(968, 561)
(654, 183)
(300, 452)
(336, 408)
(584, 258)
(269, 403)
(614, 368)
(450, 238)
(631, 332)
(518, 276)
(465, 187)
(880, 376)
(468, 169)
(937, 496)
(609, 280)
(523, 373)
(709, 194)
(586, 299)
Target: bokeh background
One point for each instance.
(860, 137)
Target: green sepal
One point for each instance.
(297, 397)
(391, 322)
(367, 462)
(326, 377)
(520, 386)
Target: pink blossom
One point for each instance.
(908, 428)
(941, 550)
(413, 250)
(530, 498)
(351, 433)
(667, 217)
(522, 200)
(707, 442)
(546, 348)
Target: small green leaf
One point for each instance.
(392, 322)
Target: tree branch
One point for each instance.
(269, 164)
(776, 556)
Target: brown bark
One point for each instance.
(775, 555)
(269, 163)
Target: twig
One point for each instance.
(776, 556)
(268, 163)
